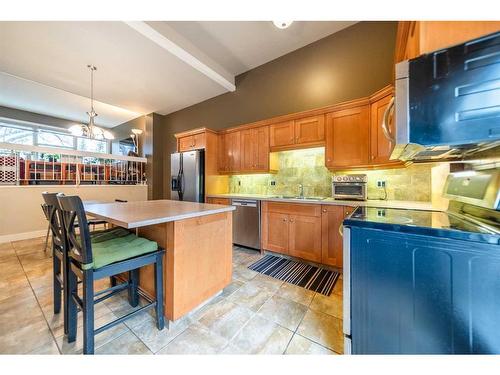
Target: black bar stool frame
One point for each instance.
(79, 250)
(59, 259)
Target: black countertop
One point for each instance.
(430, 223)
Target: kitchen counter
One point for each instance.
(413, 205)
(139, 214)
(198, 242)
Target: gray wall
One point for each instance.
(150, 147)
(18, 114)
(350, 64)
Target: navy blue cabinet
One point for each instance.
(421, 294)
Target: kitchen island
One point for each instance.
(197, 239)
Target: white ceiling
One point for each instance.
(167, 67)
(241, 46)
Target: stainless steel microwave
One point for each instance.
(447, 103)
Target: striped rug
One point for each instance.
(310, 277)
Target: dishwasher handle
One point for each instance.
(244, 203)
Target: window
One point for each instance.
(12, 131)
(92, 145)
(11, 134)
(55, 139)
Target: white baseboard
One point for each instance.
(22, 236)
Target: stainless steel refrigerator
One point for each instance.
(187, 182)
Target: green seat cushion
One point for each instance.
(118, 249)
(109, 234)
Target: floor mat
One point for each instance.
(310, 277)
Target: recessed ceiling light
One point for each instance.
(282, 24)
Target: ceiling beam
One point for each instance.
(167, 38)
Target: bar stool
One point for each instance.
(89, 261)
(59, 256)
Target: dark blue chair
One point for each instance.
(90, 260)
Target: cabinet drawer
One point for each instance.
(294, 209)
(224, 201)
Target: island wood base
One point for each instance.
(197, 263)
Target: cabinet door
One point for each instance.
(233, 152)
(248, 148)
(222, 154)
(305, 237)
(310, 130)
(199, 141)
(331, 247)
(347, 137)
(186, 143)
(282, 134)
(380, 146)
(276, 233)
(261, 148)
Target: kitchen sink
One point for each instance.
(299, 198)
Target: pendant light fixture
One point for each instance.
(90, 130)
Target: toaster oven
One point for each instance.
(349, 187)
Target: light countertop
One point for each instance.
(139, 214)
(414, 205)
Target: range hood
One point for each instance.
(447, 103)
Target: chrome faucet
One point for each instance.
(301, 191)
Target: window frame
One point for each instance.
(36, 128)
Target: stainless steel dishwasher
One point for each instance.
(246, 223)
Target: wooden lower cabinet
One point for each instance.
(307, 231)
(277, 232)
(305, 237)
(215, 200)
(331, 238)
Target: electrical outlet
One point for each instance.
(380, 183)
(273, 183)
(239, 183)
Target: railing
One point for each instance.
(36, 165)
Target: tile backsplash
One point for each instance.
(307, 167)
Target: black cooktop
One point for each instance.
(437, 223)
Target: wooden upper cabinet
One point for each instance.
(282, 134)
(261, 137)
(233, 152)
(310, 130)
(300, 133)
(347, 137)
(229, 157)
(380, 146)
(255, 149)
(415, 38)
(222, 159)
(247, 150)
(191, 142)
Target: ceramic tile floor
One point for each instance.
(255, 314)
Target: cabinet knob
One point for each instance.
(324, 209)
(284, 220)
(291, 220)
